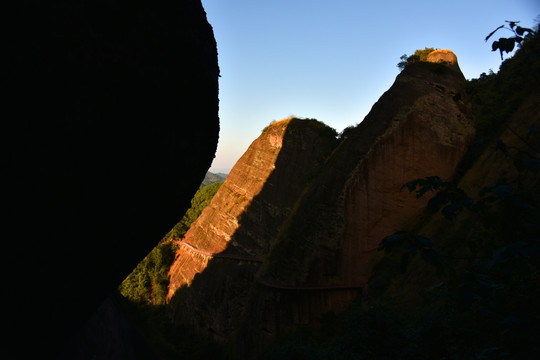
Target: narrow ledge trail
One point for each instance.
(261, 281)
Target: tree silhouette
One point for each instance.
(507, 44)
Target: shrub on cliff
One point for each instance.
(419, 55)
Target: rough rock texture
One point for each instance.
(322, 255)
(445, 56)
(420, 127)
(224, 247)
(113, 122)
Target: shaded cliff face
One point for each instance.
(420, 127)
(113, 122)
(248, 210)
(324, 255)
(256, 268)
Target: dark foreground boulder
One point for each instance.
(110, 124)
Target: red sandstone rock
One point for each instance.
(317, 223)
(246, 213)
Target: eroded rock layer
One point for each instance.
(309, 246)
(248, 210)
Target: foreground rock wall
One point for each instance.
(113, 122)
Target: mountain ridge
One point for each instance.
(320, 244)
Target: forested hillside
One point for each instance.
(212, 178)
(148, 282)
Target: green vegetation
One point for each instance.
(146, 287)
(201, 200)
(507, 44)
(496, 96)
(419, 55)
(315, 124)
(211, 178)
(148, 283)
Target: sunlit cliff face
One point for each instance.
(265, 181)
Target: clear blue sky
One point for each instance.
(331, 60)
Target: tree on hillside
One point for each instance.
(419, 55)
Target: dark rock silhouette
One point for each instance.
(110, 124)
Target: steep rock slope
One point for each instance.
(257, 196)
(224, 248)
(318, 252)
(112, 122)
(324, 255)
(421, 126)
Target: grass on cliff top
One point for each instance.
(321, 127)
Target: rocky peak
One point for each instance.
(293, 231)
(445, 56)
(258, 195)
(420, 127)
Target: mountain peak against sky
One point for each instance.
(304, 210)
(331, 60)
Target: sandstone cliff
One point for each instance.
(233, 234)
(108, 104)
(420, 127)
(317, 240)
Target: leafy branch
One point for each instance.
(507, 44)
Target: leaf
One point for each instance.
(493, 32)
(512, 23)
(507, 44)
(521, 30)
(423, 191)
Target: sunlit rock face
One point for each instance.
(258, 195)
(111, 122)
(446, 56)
